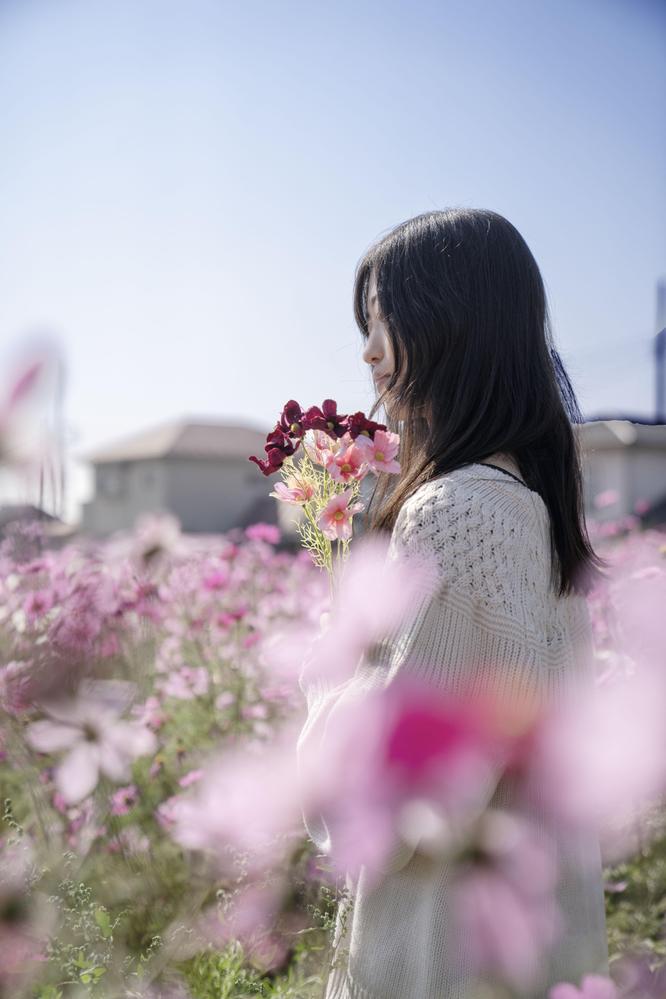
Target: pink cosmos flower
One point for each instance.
(217, 579)
(150, 713)
(15, 687)
(186, 683)
(591, 987)
(430, 764)
(318, 445)
(263, 532)
(224, 700)
(167, 813)
(294, 490)
(347, 464)
(124, 799)
(380, 451)
(22, 386)
(59, 803)
(335, 520)
(606, 498)
(191, 777)
(504, 908)
(95, 738)
(257, 710)
(24, 440)
(37, 603)
(129, 839)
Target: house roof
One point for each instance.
(183, 437)
(614, 433)
(649, 421)
(23, 511)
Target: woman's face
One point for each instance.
(378, 352)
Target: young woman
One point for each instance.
(454, 319)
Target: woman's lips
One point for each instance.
(381, 381)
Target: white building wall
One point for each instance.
(123, 491)
(217, 495)
(646, 475)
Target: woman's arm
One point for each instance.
(468, 630)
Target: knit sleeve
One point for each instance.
(484, 615)
(321, 696)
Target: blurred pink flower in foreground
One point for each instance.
(96, 739)
(355, 622)
(430, 764)
(603, 751)
(591, 987)
(637, 591)
(503, 901)
(247, 800)
(24, 437)
(335, 520)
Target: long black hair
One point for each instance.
(476, 370)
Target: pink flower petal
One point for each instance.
(49, 737)
(77, 774)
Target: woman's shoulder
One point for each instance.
(488, 538)
(475, 498)
(480, 527)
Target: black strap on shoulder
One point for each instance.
(506, 472)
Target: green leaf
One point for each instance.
(103, 921)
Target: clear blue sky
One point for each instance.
(187, 185)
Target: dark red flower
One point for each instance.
(358, 423)
(291, 419)
(278, 439)
(327, 419)
(278, 447)
(274, 461)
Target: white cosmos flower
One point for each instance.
(95, 740)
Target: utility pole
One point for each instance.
(660, 351)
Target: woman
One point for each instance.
(453, 313)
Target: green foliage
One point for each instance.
(636, 897)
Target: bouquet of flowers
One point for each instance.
(338, 452)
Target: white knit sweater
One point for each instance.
(493, 604)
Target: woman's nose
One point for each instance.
(372, 352)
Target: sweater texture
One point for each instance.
(494, 615)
